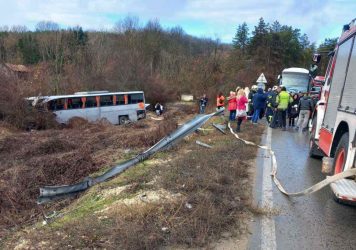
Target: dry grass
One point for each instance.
(63, 156)
(16, 111)
(212, 196)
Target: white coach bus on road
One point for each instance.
(116, 107)
(296, 80)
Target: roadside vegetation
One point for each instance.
(163, 62)
(15, 112)
(187, 196)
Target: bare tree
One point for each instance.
(128, 24)
(4, 28)
(153, 25)
(19, 29)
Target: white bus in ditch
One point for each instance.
(116, 107)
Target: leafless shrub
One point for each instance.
(15, 110)
(78, 123)
(158, 90)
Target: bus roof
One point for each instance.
(78, 94)
(296, 70)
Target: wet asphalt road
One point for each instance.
(309, 222)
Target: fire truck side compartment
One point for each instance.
(337, 83)
(348, 101)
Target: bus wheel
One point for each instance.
(314, 151)
(341, 154)
(123, 119)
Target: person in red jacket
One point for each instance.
(220, 101)
(232, 105)
(241, 114)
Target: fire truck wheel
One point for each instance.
(341, 154)
(314, 151)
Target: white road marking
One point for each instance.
(268, 227)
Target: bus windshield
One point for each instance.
(295, 82)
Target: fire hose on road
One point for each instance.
(310, 190)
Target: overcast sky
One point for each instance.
(319, 19)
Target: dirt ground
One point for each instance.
(188, 196)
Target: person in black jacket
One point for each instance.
(158, 109)
(271, 104)
(203, 102)
(293, 110)
(250, 100)
(305, 108)
(275, 122)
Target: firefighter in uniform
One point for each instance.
(271, 104)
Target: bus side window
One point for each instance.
(114, 100)
(57, 104)
(75, 103)
(90, 102)
(51, 105)
(84, 99)
(60, 104)
(135, 98)
(106, 100)
(120, 100)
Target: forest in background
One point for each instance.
(163, 62)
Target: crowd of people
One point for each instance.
(276, 105)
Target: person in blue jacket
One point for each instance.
(259, 103)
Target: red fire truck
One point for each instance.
(317, 84)
(334, 119)
(318, 81)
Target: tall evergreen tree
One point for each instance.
(241, 39)
(259, 45)
(80, 37)
(28, 47)
(261, 28)
(276, 52)
(292, 49)
(276, 26)
(259, 35)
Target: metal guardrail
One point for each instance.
(49, 193)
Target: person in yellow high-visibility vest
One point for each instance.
(283, 99)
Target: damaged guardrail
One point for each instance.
(49, 193)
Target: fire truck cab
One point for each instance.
(334, 119)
